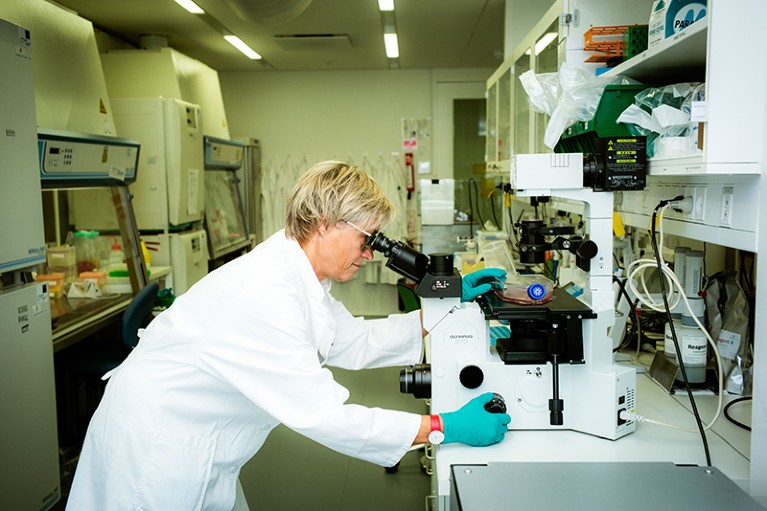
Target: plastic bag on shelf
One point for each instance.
(662, 114)
(567, 96)
(728, 312)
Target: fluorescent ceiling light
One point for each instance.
(385, 5)
(244, 48)
(392, 49)
(544, 41)
(190, 6)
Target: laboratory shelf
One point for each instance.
(724, 236)
(694, 164)
(682, 56)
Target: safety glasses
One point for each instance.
(370, 237)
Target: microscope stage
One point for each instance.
(562, 304)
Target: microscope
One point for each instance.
(555, 370)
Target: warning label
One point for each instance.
(625, 163)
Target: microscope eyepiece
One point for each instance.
(402, 259)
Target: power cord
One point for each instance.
(667, 276)
(471, 213)
(731, 419)
(492, 205)
(632, 308)
(509, 205)
(473, 183)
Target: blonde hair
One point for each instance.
(334, 191)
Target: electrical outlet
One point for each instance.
(691, 193)
(725, 218)
(699, 209)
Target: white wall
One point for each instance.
(325, 114)
(520, 17)
(345, 115)
(334, 114)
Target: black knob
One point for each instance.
(588, 250)
(471, 377)
(496, 405)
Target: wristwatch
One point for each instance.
(436, 436)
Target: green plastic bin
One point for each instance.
(581, 137)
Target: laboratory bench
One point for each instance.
(729, 445)
(73, 319)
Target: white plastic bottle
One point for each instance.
(692, 343)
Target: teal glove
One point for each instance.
(473, 425)
(480, 282)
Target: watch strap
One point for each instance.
(436, 423)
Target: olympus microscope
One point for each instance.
(555, 370)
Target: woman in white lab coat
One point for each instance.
(244, 350)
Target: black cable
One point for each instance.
(511, 221)
(492, 205)
(633, 307)
(735, 421)
(617, 262)
(471, 213)
(705, 272)
(670, 321)
(519, 218)
(476, 199)
(746, 274)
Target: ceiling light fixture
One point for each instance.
(240, 45)
(385, 5)
(544, 41)
(392, 48)
(389, 29)
(190, 6)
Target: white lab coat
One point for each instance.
(240, 352)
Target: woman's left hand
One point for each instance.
(480, 282)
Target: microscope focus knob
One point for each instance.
(471, 377)
(497, 404)
(588, 250)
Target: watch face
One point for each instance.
(436, 437)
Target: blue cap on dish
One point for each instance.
(536, 291)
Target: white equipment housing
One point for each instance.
(593, 391)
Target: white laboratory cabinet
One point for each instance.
(28, 437)
(21, 228)
(28, 434)
(169, 189)
(187, 252)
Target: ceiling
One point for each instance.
(432, 34)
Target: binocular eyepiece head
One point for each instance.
(402, 259)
